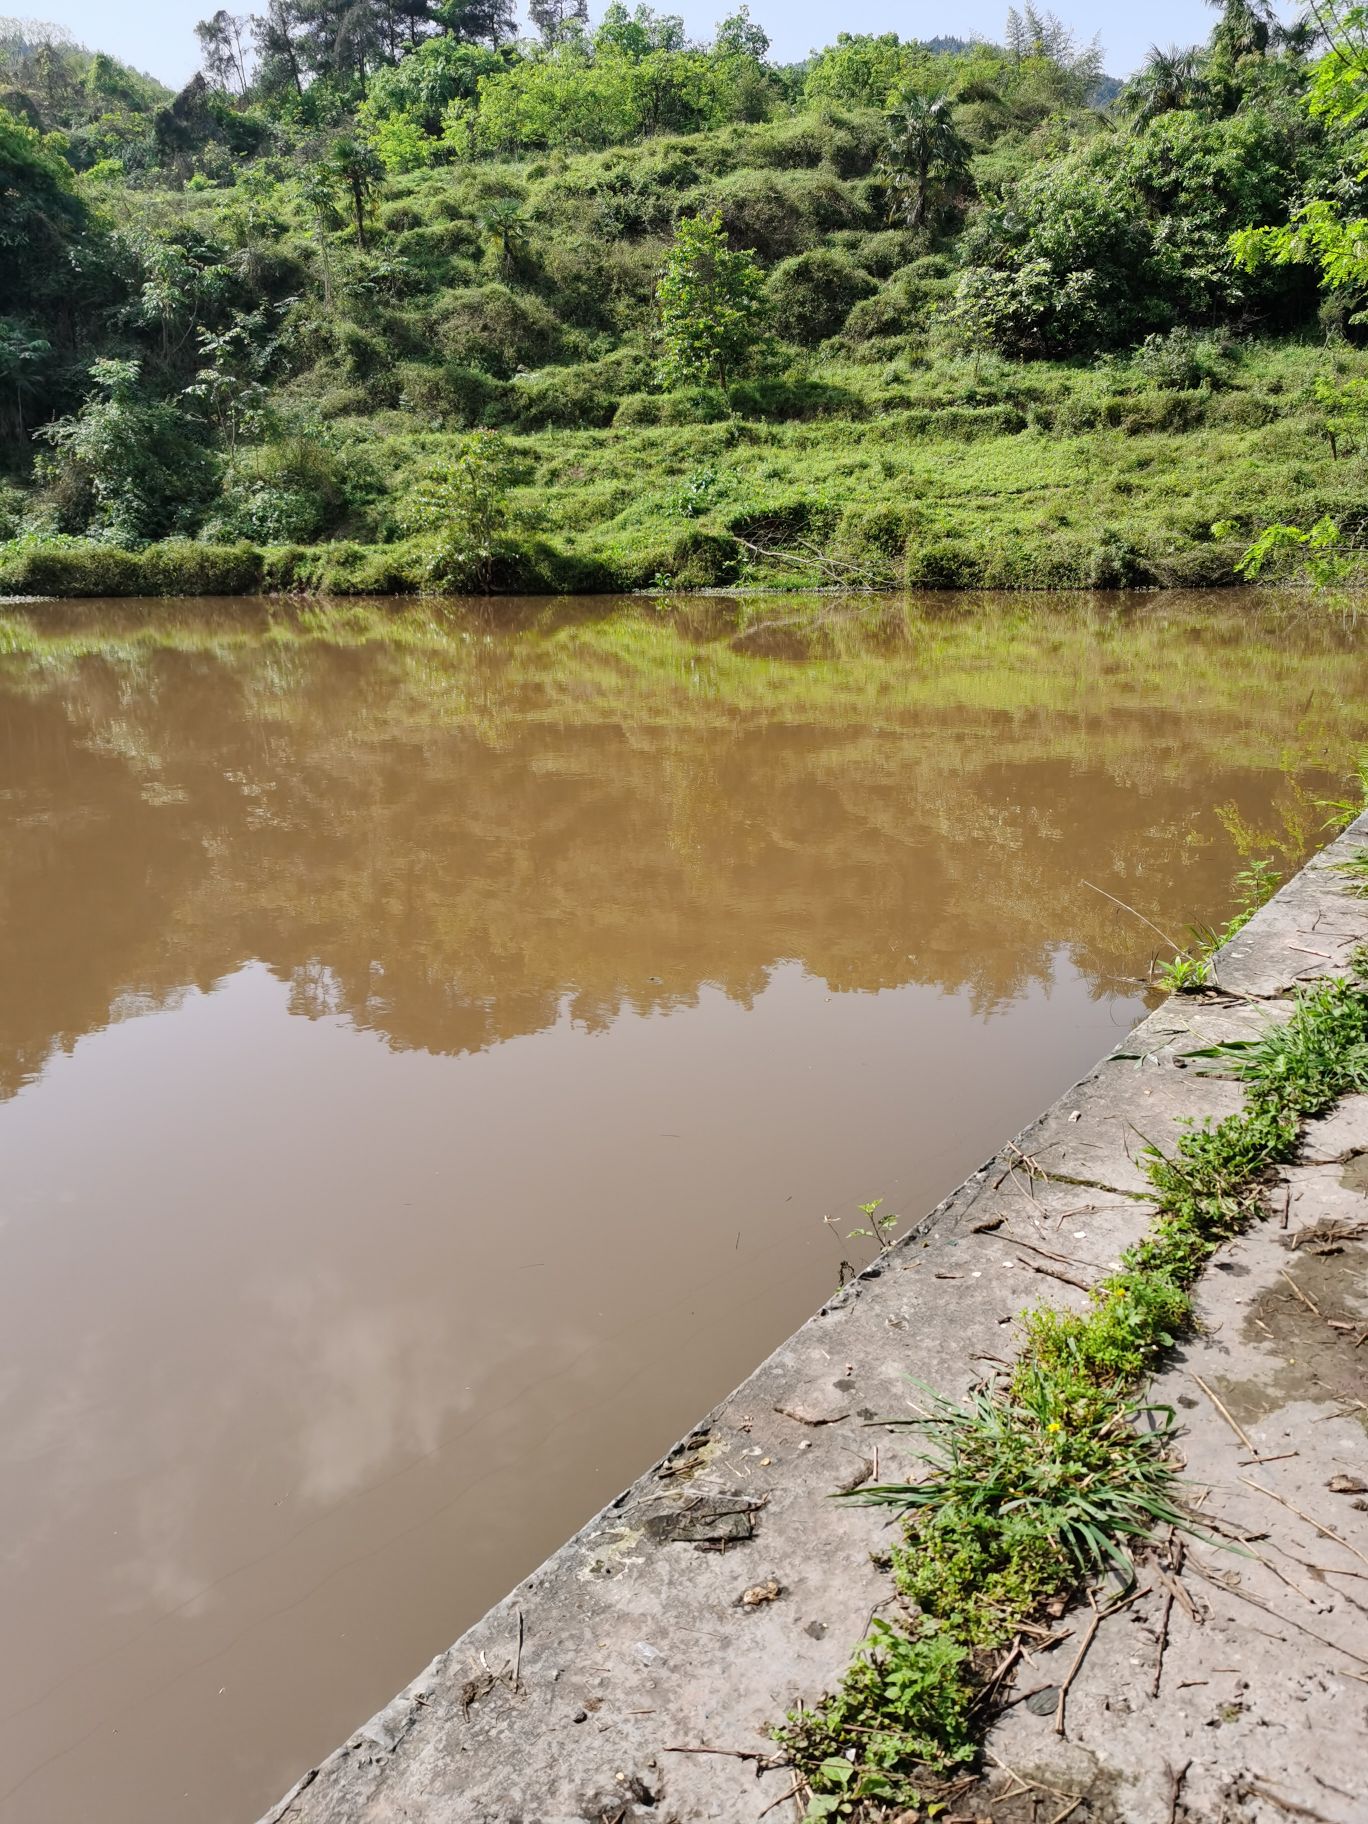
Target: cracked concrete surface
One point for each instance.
(724, 1587)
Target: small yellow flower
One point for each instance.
(1054, 1425)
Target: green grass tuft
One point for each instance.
(1355, 872)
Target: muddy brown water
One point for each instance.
(431, 1040)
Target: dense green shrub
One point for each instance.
(127, 466)
(941, 563)
(174, 567)
(905, 305)
(1184, 359)
(497, 329)
(811, 294)
(1136, 413)
(454, 393)
(879, 251)
(291, 489)
(778, 213)
(700, 559)
(563, 396)
(180, 567)
(789, 400)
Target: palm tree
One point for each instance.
(1167, 80)
(926, 155)
(507, 227)
(357, 166)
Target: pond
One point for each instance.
(444, 1048)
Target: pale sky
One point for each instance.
(158, 35)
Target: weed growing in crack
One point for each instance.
(1355, 872)
(1308, 1064)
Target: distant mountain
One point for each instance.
(50, 80)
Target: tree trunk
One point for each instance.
(287, 45)
(919, 210)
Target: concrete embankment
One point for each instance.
(633, 1676)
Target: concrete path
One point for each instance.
(632, 1677)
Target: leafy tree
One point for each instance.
(739, 36)
(564, 99)
(279, 65)
(409, 102)
(862, 70)
(125, 467)
(229, 387)
(318, 187)
(553, 18)
(926, 156)
(712, 306)
(1327, 233)
(576, 96)
(1131, 233)
(463, 508)
(55, 83)
(1339, 86)
(23, 354)
(675, 92)
(489, 22)
(1032, 33)
(41, 216)
(1039, 39)
(400, 143)
(221, 49)
(637, 34)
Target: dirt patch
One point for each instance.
(1039, 1792)
(1297, 1316)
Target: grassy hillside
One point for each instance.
(1034, 362)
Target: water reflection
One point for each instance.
(447, 835)
(430, 1047)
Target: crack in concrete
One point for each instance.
(1092, 1184)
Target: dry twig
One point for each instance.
(1229, 1418)
(1176, 1559)
(1326, 1531)
(1079, 1657)
(1175, 1776)
(1232, 1589)
(1305, 1298)
(1288, 1805)
(1054, 1273)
